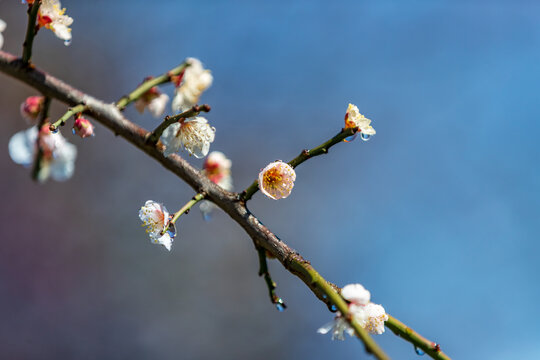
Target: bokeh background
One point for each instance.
(437, 215)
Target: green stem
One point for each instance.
(71, 112)
(187, 207)
(39, 154)
(304, 155)
(263, 271)
(332, 296)
(169, 120)
(148, 84)
(31, 31)
(429, 347)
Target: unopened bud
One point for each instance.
(83, 128)
(31, 107)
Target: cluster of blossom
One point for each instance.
(276, 180)
(370, 316)
(156, 218)
(57, 154)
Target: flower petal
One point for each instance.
(22, 146)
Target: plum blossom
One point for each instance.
(194, 134)
(154, 100)
(191, 85)
(32, 107)
(156, 219)
(83, 127)
(58, 155)
(217, 168)
(52, 16)
(276, 180)
(356, 294)
(370, 316)
(375, 316)
(2, 28)
(353, 119)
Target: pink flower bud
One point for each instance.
(83, 128)
(31, 107)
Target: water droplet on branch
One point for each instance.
(280, 305)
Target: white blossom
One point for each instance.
(368, 315)
(276, 180)
(154, 100)
(157, 105)
(156, 219)
(375, 316)
(195, 80)
(2, 28)
(356, 294)
(217, 168)
(52, 16)
(194, 134)
(337, 327)
(353, 119)
(58, 155)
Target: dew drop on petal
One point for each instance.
(280, 305)
(171, 230)
(350, 138)
(207, 216)
(418, 351)
(365, 137)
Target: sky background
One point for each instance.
(437, 215)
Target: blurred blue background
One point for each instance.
(437, 215)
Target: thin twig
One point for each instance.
(185, 209)
(270, 284)
(169, 120)
(304, 155)
(43, 116)
(71, 112)
(148, 84)
(31, 31)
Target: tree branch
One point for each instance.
(43, 116)
(31, 31)
(110, 116)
